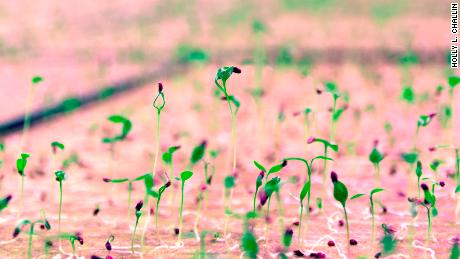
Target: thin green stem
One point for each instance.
(299, 238)
(180, 212)
(429, 226)
(254, 202)
(60, 210)
(346, 222)
(31, 233)
(156, 215)
(134, 233)
(130, 188)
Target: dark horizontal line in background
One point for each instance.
(329, 56)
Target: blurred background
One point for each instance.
(84, 47)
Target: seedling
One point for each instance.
(423, 121)
(21, 164)
(336, 113)
(159, 104)
(376, 157)
(2, 150)
(371, 200)
(158, 196)
(29, 103)
(306, 191)
(222, 75)
(286, 240)
(388, 242)
(430, 204)
(130, 185)
(126, 128)
(341, 195)
(138, 214)
(184, 176)
(19, 227)
(259, 180)
(327, 145)
(60, 177)
(168, 159)
(72, 237)
(248, 239)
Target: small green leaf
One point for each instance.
(305, 190)
(375, 156)
(126, 128)
(408, 94)
(418, 170)
(56, 144)
(185, 175)
(340, 192)
(249, 245)
(424, 120)
(148, 182)
(198, 153)
(37, 79)
(60, 176)
(319, 202)
(457, 189)
(376, 190)
(410, 157)
(275, 169)
(229, 182)
(261, 168)
(453, 81)
(455, 252)
(287, 238)
(357, 196)
(122, 180)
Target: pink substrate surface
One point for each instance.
(191, 115)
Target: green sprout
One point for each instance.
(388, 242)
(371, 195)
(138, 214)
(327, 145)
(126, 128)
(455, 251)
(341, 195)
(408, 94)
(130, 185)
(60, 177)
(19, 227)
(29, 103)
(158, 196)
(429, 203)
(423, 121)
(168, 159)
(286, 240)
(376, 157)
(248, 239)
(306, 191)
(336, 113)
(222, 75)
(21, 164)
(72, 237)
(434, 165)
(220, 80)
(158, 103)
(184, 176)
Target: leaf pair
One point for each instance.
(21, 163)
(326, 143)
(126, 128)
(167, 156)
